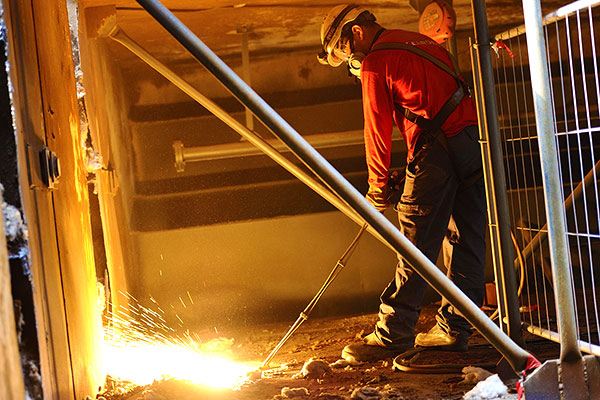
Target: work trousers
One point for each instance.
(439, 205)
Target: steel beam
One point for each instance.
(489, 188)
(506, 272)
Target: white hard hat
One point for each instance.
(331, 31)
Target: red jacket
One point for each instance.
(401, 77)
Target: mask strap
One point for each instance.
(355, 60)
(379, 32)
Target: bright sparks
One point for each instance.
(142, 348)
(142, 363)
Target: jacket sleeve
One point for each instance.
(378, 108)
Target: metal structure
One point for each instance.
(184, 155)
(548, 89)
(573, 84)
(494, 175)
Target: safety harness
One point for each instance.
(433, 126)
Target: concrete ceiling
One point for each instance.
(277, 26)
(283, 40)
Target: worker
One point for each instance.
(409, 79)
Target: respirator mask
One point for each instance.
(355, 59)
(354, 63)
(336, 36)
(337, 56)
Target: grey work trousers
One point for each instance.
(434, 206)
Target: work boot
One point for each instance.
(438, 338)
(372, 349)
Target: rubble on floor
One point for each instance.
(475, 374)
(314, 368)
(294, 393)
(301, 372)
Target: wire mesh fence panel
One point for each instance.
(572, 35)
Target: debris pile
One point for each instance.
(342, 363)
(367, 393)
(116, 388)
(475, 374)
(491, 388)
(294, 393)
(314, 369)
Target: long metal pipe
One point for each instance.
(505, 246)
(555, 16)
(243, 149)
(244, 31)
(553, 198)
(121, 37)
(515, 355)
(555, 337)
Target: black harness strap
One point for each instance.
(430, 125)
(413, 49)
(433, 126)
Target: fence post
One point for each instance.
(490, 190)
(553, 197)
(505, 273)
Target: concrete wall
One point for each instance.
(261, 270)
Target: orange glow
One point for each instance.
(144, 349)
(142, 363)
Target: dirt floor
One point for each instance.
(324, 339)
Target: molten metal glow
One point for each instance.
(140, 347)
(142, 363)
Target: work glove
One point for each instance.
(395, 181)
(379, 197)
(382, 197)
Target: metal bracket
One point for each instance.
(43, 168)
(557, 380)
(179, 156)
(112, 180)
